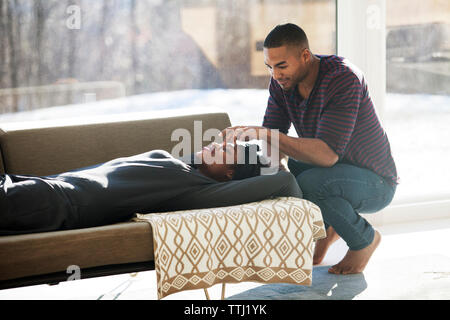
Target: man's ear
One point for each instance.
(229, 174)
(306, 54)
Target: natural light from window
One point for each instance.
(80, 59)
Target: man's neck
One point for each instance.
(305, 87)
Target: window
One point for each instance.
(417, 109)
(61, 58)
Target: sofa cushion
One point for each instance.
(43, 253)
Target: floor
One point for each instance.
(412, 262)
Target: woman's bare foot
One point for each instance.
(322, 245)
(356, 260)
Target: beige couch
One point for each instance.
(53, 148)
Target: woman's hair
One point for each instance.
(249, 162)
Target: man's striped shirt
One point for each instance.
(338, 111)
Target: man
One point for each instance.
(341, 158)
(150, 182)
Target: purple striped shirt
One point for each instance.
(338, 111)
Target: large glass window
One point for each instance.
(80, 58)
(418, 94)
(61, 58)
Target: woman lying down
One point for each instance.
(150, 182)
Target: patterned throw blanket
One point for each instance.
(270, 241)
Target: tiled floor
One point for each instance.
(412, 262)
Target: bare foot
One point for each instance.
(322, 245)
(356, 260)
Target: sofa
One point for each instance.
(50, 147)
(41, 148)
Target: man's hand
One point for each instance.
(245, 133)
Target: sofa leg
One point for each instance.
(223, 293)
(53, 283)
(206, 294)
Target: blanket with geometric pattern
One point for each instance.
(269, 241)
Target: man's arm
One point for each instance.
(308, 150)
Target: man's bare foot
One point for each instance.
(322, 245)
(356, 260)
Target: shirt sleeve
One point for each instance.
(276, 116)
(222, 194)
(338, 119)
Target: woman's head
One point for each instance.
(227, 161)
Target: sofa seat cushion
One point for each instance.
(43, 253)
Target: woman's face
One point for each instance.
(218, 160)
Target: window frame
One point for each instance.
(361, 37)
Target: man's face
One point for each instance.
(218, 160)
(287, 65)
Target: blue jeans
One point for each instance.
(342, 192)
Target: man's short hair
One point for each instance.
(249, 162)
(287, 34)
